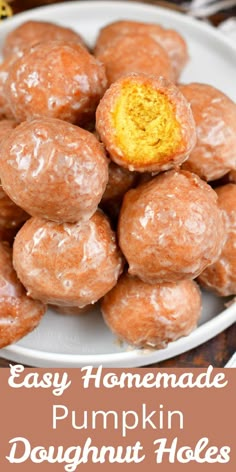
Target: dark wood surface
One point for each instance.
(216, 351)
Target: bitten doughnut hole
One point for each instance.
(146, 127)
(145, 123)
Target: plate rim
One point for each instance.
(134, 357)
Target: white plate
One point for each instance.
(67, 341)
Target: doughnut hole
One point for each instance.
(220, 277)
(151, 315)
(19, 314)
(147, 128)
(145, 123)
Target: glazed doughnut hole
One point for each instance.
(220, 277)
(215, 116)
(145, 123)
(121, 58)
(171, 41)
(167, 228)
(55, 79)
(69, 264)
(56, 170)
(19, 314)
(151, 315)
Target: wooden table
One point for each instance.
(216, 351)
